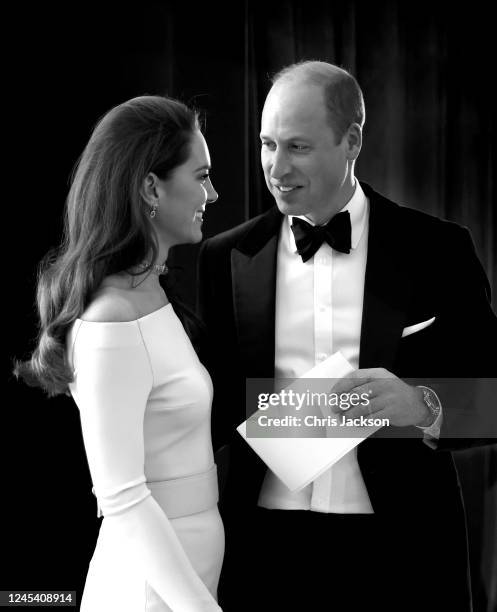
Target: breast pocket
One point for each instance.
(420, 349)
(417, 327)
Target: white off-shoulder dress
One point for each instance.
(144, 400)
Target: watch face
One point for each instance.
(431, 400)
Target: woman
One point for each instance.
(109, 335)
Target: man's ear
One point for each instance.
(149, 190)
(353, 139)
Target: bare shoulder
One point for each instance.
(118, 300)
(111, 305)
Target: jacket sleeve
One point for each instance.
(468, 396)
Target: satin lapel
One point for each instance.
(386, 289)
(253, 269)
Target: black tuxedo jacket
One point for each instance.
(418, 267)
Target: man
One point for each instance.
(400, 294)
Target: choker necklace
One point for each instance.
(157, 268)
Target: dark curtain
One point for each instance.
(428, 142)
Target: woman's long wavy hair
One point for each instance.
(107, 226)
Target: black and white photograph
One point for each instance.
(251, 339)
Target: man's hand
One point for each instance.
(389, 397)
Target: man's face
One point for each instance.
(304, 168)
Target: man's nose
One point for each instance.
(212, 195)
(280, 164)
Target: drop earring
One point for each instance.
(153, 212)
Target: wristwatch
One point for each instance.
(431, 401)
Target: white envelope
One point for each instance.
(299, 461)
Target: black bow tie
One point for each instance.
(309, 238)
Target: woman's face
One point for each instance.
(183, 196)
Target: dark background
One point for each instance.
(429, 141)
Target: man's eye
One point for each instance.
(299, 147)
(204, 177)
(268, 145)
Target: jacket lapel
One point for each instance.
(387, 289)
(253, 269)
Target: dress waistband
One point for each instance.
(184, 496)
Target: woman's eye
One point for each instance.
(268, 145)
(204, 177)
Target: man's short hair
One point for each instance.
(342, 94)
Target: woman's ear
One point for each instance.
(149, 191)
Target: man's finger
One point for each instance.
(352, 380)
(366, 409)
(360, 395)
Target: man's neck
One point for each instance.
(333, 208)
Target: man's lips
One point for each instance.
(286, 188)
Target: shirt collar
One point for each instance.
(357, 207)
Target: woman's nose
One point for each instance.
(212, 195)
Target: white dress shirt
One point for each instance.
(318, 312)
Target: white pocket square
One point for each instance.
(412, 329)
